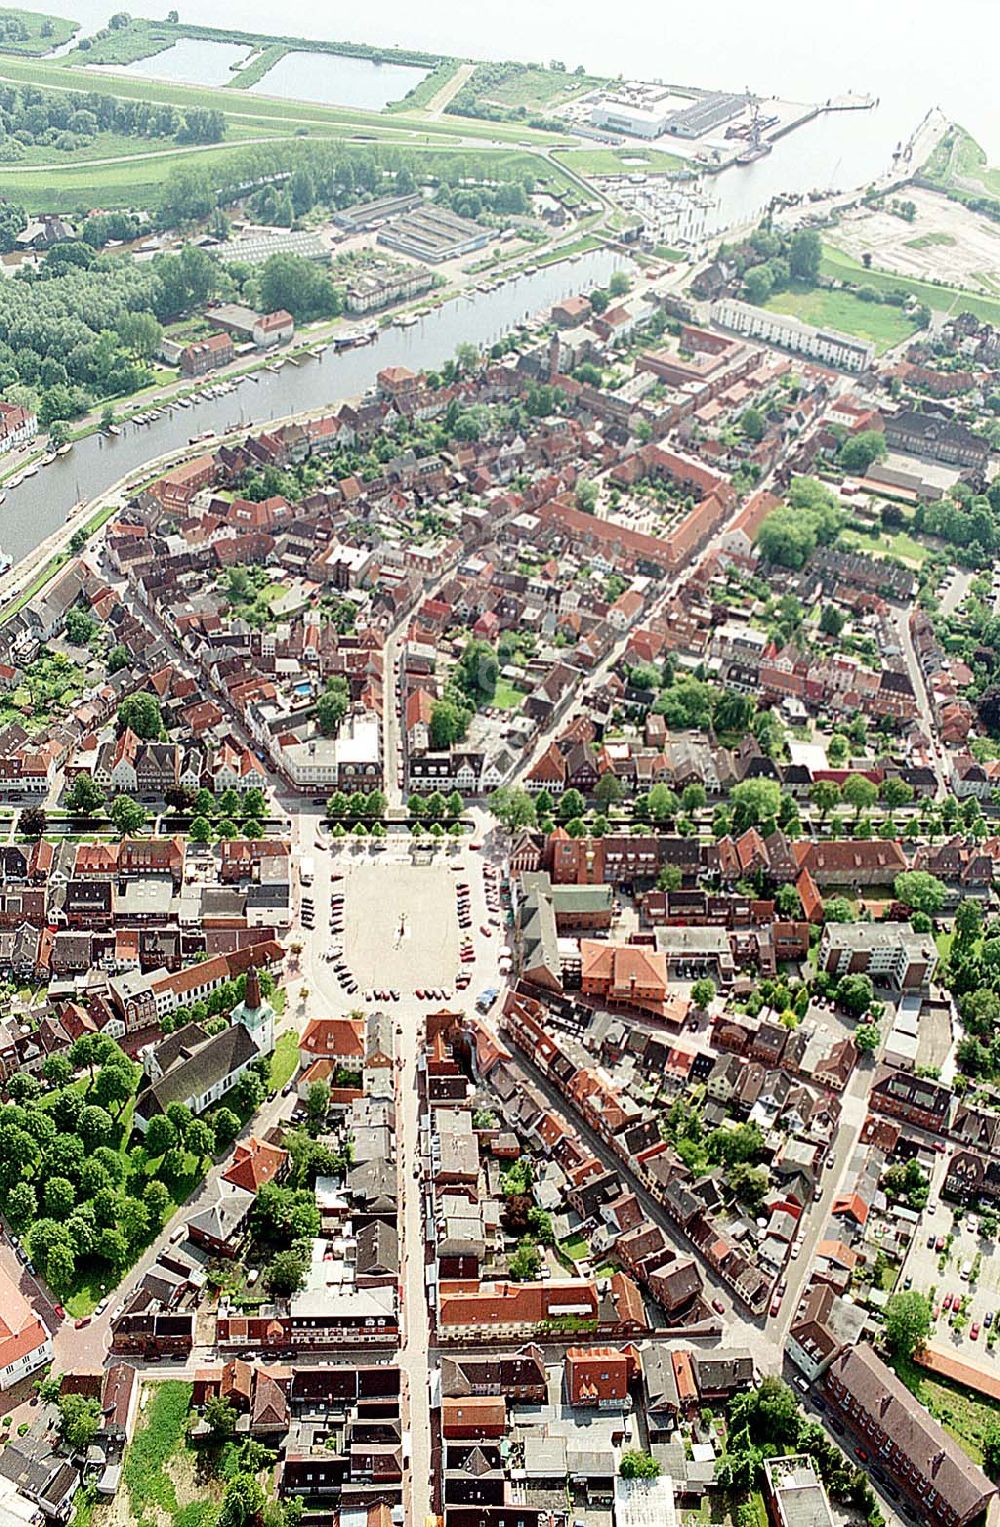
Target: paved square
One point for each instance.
(400, 924)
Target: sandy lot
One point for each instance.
(947, 242)
(400, 925)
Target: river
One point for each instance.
(912, 54)
(40, 505)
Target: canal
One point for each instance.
(41, 503)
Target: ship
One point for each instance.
(757, 147)
(753, 152)
(6, 562)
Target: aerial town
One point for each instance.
(500, 845)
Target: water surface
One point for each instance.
(333, 79)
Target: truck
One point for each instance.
(307, 869)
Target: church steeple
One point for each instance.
(255, 1013)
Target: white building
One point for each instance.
(645, 1502)
(826, 345)
(25, 1344)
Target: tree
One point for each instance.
(512, 808)
(60, 1196)
(225, 1127)
(787, 901)
(855, 993)
(571, 804)
(449, 723)
(831, 621)
(838, 910)
(128, 815)
(703, 992)
(608, 790)
(526, 1263)
(587, 494)
(331, 707)
(754, 801)
(200, 830)
(33, 821)
(968, 922)
(804, 254)
(317, 1104)
(638, 1465)
(896, 792)
(140, 713)
(859, 791)
(285, 1274)
(244, 1499)
(758, 283)
(220, 1416)
(908, 1322)
(79, 1419)
(990, 1443)
(22, 1205)
(661, 803)
(694, 797)
(825, 794)
(748, 1183)
(282, 1215)
(156, 1199)
(84, 796)
(670, 878)
(753, 424)
(161, 1136)
(920, 891)
(859, 451)
(867, 1037)
(200, 1138)
(248, 1092)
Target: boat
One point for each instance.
(48, 459)
(183, 402)
(753, 152)
(2, 495)
(405, 320)
(114, 429)
(30, 471)
(16, 480)
(64, 450)
(6, 562)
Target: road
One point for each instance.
(938, 755)
(438, 103)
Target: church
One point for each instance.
(196, 1068)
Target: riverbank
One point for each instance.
(33, 519)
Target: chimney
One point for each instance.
(251, 999)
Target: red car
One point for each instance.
(718, 1306)
(862, 1455)
(946, 1302)
(84, 1320)
(974, 1331)
(775, 1306)
(419, 996)
(57, 1309)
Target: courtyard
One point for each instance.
(400, 923)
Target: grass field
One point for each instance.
(42, 32)
(958, 160)
(158, 1438)
(899, 545)
(55, 75)
(507, 697)
(619, 161)
(962, 1413)
(883, 326)
(931, 240)
(259, 65)
(127, 45)
(539, 88)
(943, 299)
(285, 1059)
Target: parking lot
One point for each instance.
(400, 923)
(980, 1288)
